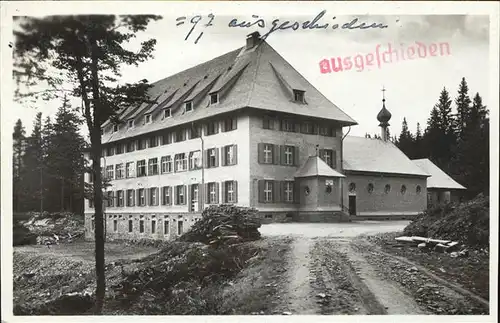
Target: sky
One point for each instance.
(412, 86)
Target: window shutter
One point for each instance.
(176, 195)
(321, 153)
(216, 157)
(223, 194)
(217, 192)
(223, 126)
(147, 196)
(260, 148)
(157, 200)
(223, 156)
(282, 154)
(185, 195)
(205, 158)
(234, 123)
(276, 191)
(261, 184)
(334, 159)
(314, 129)
(188, 198)
(235, 154)
(282, 190)
(235, 188)
(276, 154)
(296, 127)
(296, 192)
(138, 197)
(296, 156)
(216, 130)
(206, 194)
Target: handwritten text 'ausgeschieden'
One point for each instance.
(318, 22)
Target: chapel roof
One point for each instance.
(438, 179)
(377, 156)
(256, 77)
(315, 166)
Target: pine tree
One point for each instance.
(463, 108)
(33, 170)
(18, 139)
(418, 143)
(432, 136)
(88, 53)
(405, 141)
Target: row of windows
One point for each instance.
(289, 155)
(272, 191)
(154, 224)
(387, 188)
(168, 137)
(291, 125)
(153, 196)
(180, 163)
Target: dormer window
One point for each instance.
(130, 123)
(214, 98)
(148, 118)
(115, 128)
(298, 96)
(167, 113)
(189, 106)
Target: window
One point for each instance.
(195, 132)
(141, 168)
(119, 199)
(288, 186)
(212, 128)
(119, 149)
(153, 166)
(110, 174)
(194, 160)
(130, 123)
(229, 155)
(287, 125)
(141, 144)
(130, 146)
(370, 188)
(329, 157)
(212, 193)
(268, 216)
(307, 128)
(418, 189)
(180, 195)
(153, 141)
(268, 154)
(130, 169)
(166, 164)
(166, 198)
(180, 162)
(188, 106)
(289, 152)
(115, 225)
(268, 123)
(212, 158)
(229, 124)
(166, 225)
(110, 151)
(167, 113)
(92, 225)
(403, 189)
(214, 98)
(130, 198)
(141, 226)
(387, 188)
(110, 199)
(180, 135)
(166, 138)
(298, 96)
(268, 191)
(119, 171)
(329, 185)
(153, 226)
(180, 227)
(115, 128)
(130, 225)
(230, 191)
(352, 187)
(91, 203)
(142, 197)
(153, 196)
(148, 118)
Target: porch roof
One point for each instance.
(315, 166)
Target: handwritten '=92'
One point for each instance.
(194, 21)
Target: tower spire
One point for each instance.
(383, 117)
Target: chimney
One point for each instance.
(252, 39)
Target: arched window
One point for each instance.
(418, 189)
(370, 188)
(387, 188)
(352, 187)
(403, 189)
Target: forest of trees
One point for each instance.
(48, 165)
(457, 142)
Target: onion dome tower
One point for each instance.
(383, 117)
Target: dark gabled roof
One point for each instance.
(375, 155)
(438, 179)
(243, 78)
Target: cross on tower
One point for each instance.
(383, 92)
